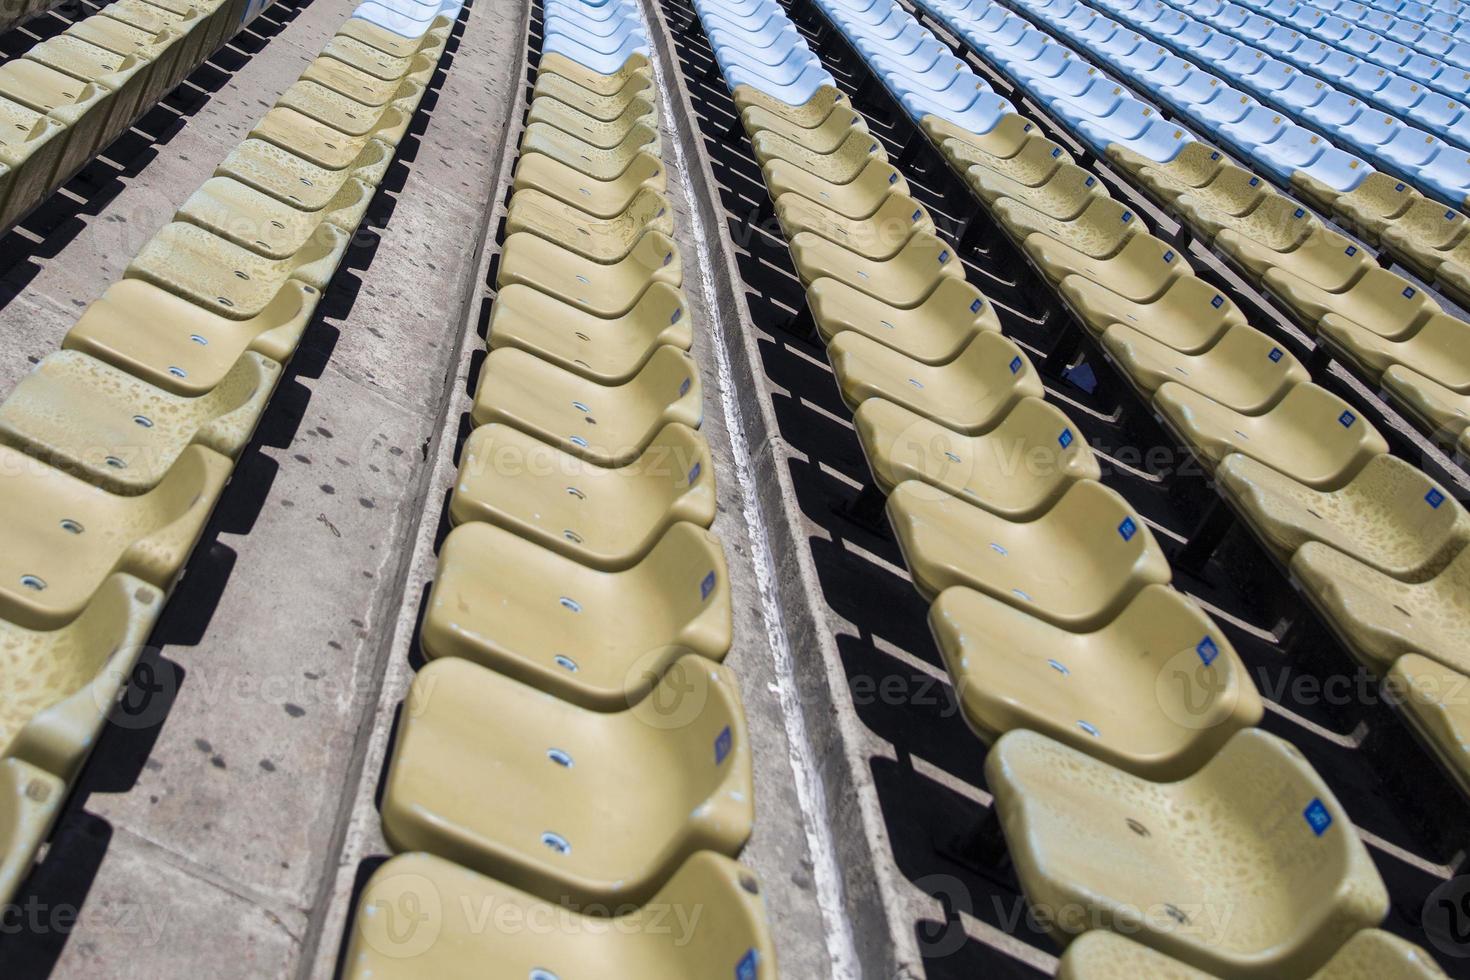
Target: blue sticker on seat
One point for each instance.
(975, 306)
(918, 213)
(944, 256)
(745, 969)
(1207, 651)
(1299, 213)
(1276, 354)
(1015, 364)
(723, 742)
(1408, 292)
(1215, 155)
(1347, 419)
(1127, 217)
(1255, 181)
(1127, 529)
(1398, 188)
(1218, 301)
(1450, 216)
(1434, 497)
(1317, 816)
(1089, 182)
(707, 586)
(694, 472)
(684, 387)
(1065, 439)
(1351, 250)
(893, 178)
(678, 315)
(1169, 256)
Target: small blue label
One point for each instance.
(745, 969)
(944, 256)
(1207, 651)
(1408, 292)
(684, 387)
(678, 315)
(1351, 250)
(1255, 181)
(1347, 419)
(1056, 153)
(893, 178)
(975, 306)
(1169, 256)
(1065, 439)
(918, 213)
(1218, 301)
(1127, 216)
(1450, 216)
(694, 472)
(1089, 182)
(1317, 817)
(1398, 188)
(1127, 529)
(1215, 155)
(1299, 213)
(707, 586)
(1015, 364)
(1276, 354)
(1434, 497)
(723, 742)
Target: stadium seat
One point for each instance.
(809, 113)
(599, 198)
(1323, 260)
(605, 518)
(298, 182)
(1189, 316)
(116, 432)
(595, 162)
(970, 394)
(534, 791)
(602, 133)
(31, 145)
(1390, 515)
(1103, 955)
(840, 166)
(1380, 618)
(173, 344)
(1311, 435)
(597, 639)
(609, 425)
(729, 939)
(608, 351)
(877, 237)
(1141, 271)
(1379, 299)
(66, 536)
(1156, 691)
(1299, 881)
(1065, 195)
(1435, 700)
(904, 281)
(1017, 469)
(1243, 370)
(600, 239)
(825, 137)
(858, 198)
(1098, 553)
(270, 227)
(934, 332)
(601, 289)
(1439, 410)
(1439, 347)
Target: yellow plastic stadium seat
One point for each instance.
(858, 198)
(594, 638)
(265, 225)
(1157, 691)
(1006, 138)
(1380, 618)
(841, 166)
(1033, 163)
(1018, 469)
(1374, 204)
(825, 137)
(605, 290)
(65, 537)
(160, 47)
(970, 394)
(605, 424)
(302, 184)
(174, 345)
(361, 87)
(1328, 261)
(348, 116)
(593, 161)
(636, 67)
(1141, 271)
(1231, 190)
(1380, 300)
(609, 351)
(904, 281)
(1390, 515)
(811, 113)
(878, 237)
(30, 151)
(1100, 231)
(599, 239)
(1311, 435)
(84, 108)
(315, 141)
(934, 332)
(599, 198)
(1424, 235)
(389, 42)
(1189, 316)
(1194, 166)
(1453, 274)
(1438, 410)
(228, 280)
(604, 517)
(1255, 831)
(1371, 954)
(602, 133)
(637, 87)
(1076, 566)
(1436, 702)
(1277, 223)
(30, 801)
(61, 683)
(107, 427)
(1063, 196)
(125, 76)
(1244, 370)
(1439, 348)
(366, 58)
(667, 939)
(183, 20)
(562, 801)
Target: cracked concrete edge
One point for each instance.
(359, 832)
(870, 889)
